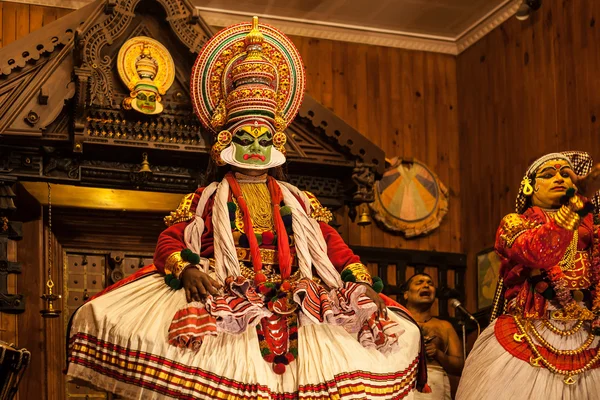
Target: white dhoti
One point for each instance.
(438, 382)
(119, 342)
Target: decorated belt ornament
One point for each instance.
(267, 256)
(269, 273)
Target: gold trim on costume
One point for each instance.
(538, 359)
(566, 217)
(360, 272)
(183, 212)
(175, 264)
(572, 311)
(258, 200)
(568, 260)
(267, 256)
(513, 225)
(317, 211)
(579, 274)
(268, 271)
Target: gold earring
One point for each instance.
(223, 140)
(279, 140)
(526, 185)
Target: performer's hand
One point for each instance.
(589, 184)
(198, 284)
(373, 295)
(431, 350)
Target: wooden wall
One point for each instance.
(526, 89)
(405, 102)
(20, 19)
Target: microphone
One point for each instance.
(456, 304)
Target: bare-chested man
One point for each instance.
(444, 350)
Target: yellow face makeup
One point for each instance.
(255, 131)
(551, 183)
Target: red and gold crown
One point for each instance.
(247, 74)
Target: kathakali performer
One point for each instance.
(545, 345)
(252, 294)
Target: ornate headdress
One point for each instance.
(247, 74)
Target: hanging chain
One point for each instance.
(49, 283)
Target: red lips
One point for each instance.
(257, 156)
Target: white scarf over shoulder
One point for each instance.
(311, 248)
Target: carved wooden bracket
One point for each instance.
(314, 113)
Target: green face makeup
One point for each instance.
(253, 146)
(146, 101)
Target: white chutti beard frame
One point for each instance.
(277, 159)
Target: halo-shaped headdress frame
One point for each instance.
(211, 74)
(129, 55)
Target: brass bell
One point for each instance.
(145, 164)
(365, 217)
(49, 297)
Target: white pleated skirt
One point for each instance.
(119, 343)
(493, 373)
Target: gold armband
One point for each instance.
(183, 212)
(175, 264)
(513, 225)
(359, 272)
(317, 211)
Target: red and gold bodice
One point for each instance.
(531, 244)
(550, 275)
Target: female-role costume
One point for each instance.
(545, 345)
(292, 320)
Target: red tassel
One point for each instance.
(279, 369)
(426, 389)
(283, 244)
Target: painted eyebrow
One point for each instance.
(547, 168)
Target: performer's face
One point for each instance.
(253, 145)
(551, 183)
(420, 290)
(146, 101)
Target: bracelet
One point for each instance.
(567, 218)
(358, 273)
(177, 261)
(175, 264)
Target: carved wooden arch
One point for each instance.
(181, 15)
(77, 45)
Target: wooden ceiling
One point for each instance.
(447, 19)
(444, 26)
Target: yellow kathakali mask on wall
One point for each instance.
(148, 70)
